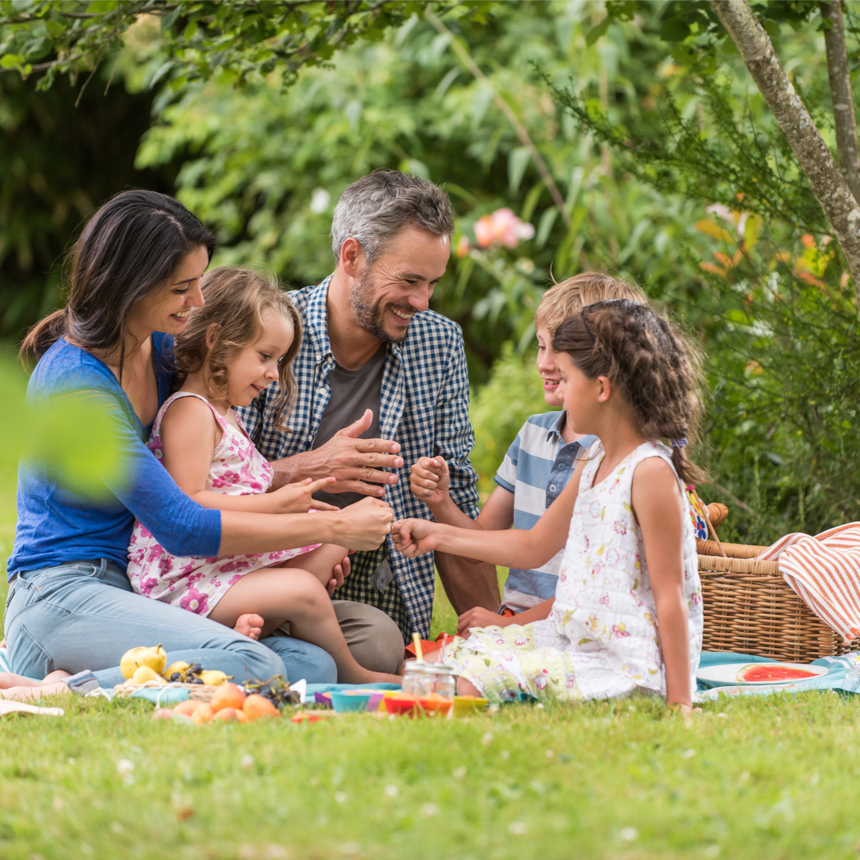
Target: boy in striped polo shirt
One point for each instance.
(535, 469)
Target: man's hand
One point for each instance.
(480, 617)
(430, 480)
(364, 525)
(356, 464)
(298, 498)
(414, 537)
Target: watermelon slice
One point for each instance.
(773, 673)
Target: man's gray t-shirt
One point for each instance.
(352, 392)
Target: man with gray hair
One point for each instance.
(382, 381)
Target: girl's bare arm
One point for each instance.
(658, 506)
(524, 548)
(189, 436)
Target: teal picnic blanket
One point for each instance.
(840, 676)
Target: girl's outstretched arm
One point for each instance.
(523, 548)
(189, 436)
(659, 508)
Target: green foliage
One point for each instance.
(59, 162)
(777, 321)
(499, 408)
(71, 435)
(234, 40)
(265, 167)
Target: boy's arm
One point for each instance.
(658, 506)
(521, 548)
(479, 617)
(429, 483)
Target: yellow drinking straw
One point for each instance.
(418, 652)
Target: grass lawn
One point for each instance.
(759, 778)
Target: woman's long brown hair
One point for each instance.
(126, 252)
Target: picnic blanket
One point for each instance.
(843, 676)
(825, 572)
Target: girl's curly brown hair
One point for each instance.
(236, 301)
(656, 369)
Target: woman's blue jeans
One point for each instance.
(84, 615)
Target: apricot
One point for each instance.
(203, 714)
(226, 714)
(188, 707)
(242, 717)
(228, 696)
(259, 706)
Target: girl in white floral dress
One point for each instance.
(242, 339)
(627, 617)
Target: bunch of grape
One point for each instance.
(276, 690)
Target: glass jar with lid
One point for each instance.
(422, 678)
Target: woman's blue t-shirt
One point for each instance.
(56, 526)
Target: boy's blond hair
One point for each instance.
(571, 295)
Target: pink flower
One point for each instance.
(226, 479)
(195, 601)
(502, 228)
(146, 586)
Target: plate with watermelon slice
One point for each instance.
(758, 674)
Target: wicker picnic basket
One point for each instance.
(749, 608)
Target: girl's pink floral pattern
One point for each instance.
(197, 584)
(601, 640)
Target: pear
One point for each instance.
(155, 658)
(145, 673)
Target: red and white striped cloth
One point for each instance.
(825, 572)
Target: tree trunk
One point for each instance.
(842, 95)
(830, 188)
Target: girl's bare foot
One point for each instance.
(249, 625)
(467, 688)
(8, 680)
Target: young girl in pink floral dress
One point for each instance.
(245, 337)
(627, 617)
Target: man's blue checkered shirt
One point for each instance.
(424, 407)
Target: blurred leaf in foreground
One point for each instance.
(71, 435)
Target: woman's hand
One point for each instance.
(414, 537)
(298, 498)
(430, 480)
(364, 525)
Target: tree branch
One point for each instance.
(842, 95)
(827, 183)
(507, 110)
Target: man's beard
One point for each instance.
(368, 314)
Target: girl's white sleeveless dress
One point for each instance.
(601, 639)
(197, 584)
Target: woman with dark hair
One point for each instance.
(134, 276)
